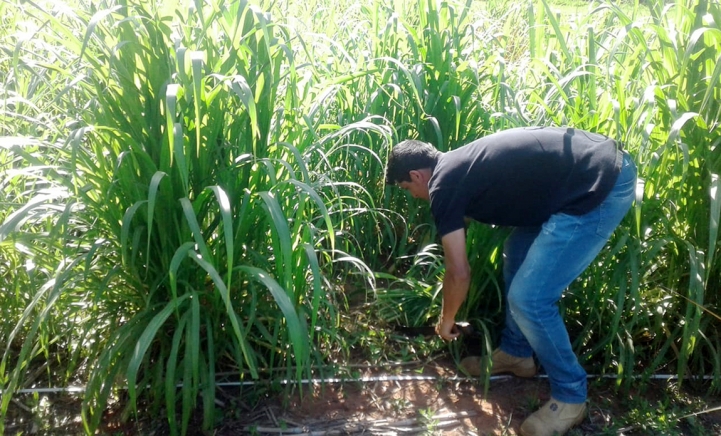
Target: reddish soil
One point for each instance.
(458, 408)
(439, 407)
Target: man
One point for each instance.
(563, 191)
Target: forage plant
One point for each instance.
(207, 228)
(188, 188)
(657, 100)
(646, 75)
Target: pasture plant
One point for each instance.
(186, 189)
(216, 234)
(646, 75)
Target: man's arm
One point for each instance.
(455, 282)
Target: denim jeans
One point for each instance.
(538, 264)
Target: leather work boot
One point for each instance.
(501, 362)
(553, 419)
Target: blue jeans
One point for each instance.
(538, 264)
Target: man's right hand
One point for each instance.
(446, 329)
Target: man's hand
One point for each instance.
(446, 328)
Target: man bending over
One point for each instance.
(563, 191)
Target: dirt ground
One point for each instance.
(443, 405)
(399, 407)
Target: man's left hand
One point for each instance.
(446, 328)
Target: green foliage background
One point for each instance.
(193, 188)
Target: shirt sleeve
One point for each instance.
(448, 209)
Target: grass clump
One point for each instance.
(187, 191)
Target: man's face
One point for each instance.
(418, 186)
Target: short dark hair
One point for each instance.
(407, 156)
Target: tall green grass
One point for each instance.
(187, 190)
(210, 226)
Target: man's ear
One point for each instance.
(422, 175)
(415, 175)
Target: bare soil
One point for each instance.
(399, 407)
(442, 406)
(447, 407)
